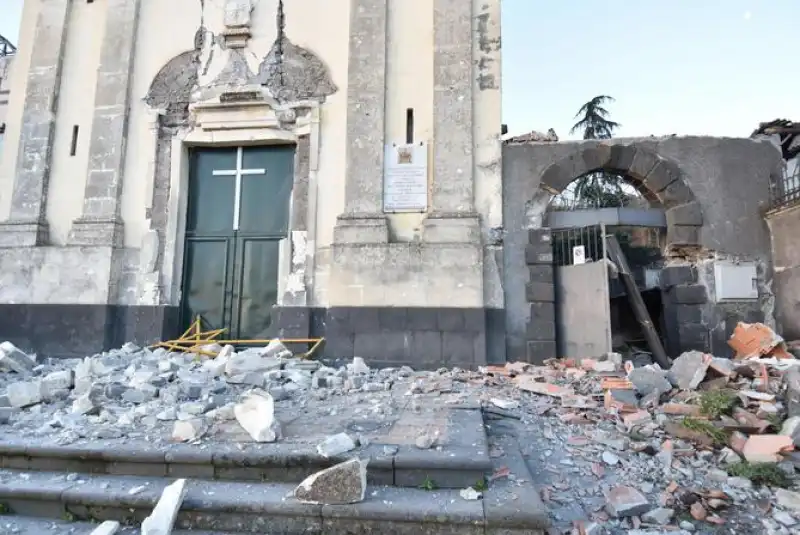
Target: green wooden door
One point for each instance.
(238, 212)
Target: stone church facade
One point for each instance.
(227, 158)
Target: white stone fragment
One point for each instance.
(109, 527)
(276, 349)
(358, 366)
(187, 430)
(14, 359)
(248, 362)
(336, 445)
(338, 485)
(24, 394)
(162, 519)
(470, 494)
(256, 415)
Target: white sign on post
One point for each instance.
(405, 178)
(578, 255)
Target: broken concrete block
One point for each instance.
(24, 394)
(87, 403)
(648, 380)
(626, 501)
(425, 441)
(788, 499)
(14, 359)
(470, 494)
(250, 361)
(109, 527)
(358, 367)
(275, 349)
(660, 516)
(336, 445)
(188, 430)
(766, 448)
(162, 519)
(57, 383)
(256, 415)
(338, 485)
(689, 370)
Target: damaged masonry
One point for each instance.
(573, 445)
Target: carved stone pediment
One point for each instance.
(292, 73)
(251, 107)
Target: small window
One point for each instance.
(410, 126)
(73, 148)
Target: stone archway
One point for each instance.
(659, 180)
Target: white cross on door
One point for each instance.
(238, 173)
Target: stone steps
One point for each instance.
(460, 463)
(275, 463)
(20, 525)
(242, 507)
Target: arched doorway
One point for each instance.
(658, 211)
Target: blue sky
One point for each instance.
(716, 67)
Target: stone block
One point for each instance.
(337, 321)
(364, 320)
(540, 350)
(535, 252)
(621, 157)
(674, 275)
(693, 337)
(372, 345)
(475, 320)
(556, 178)
(541, 273)
(690, 214)
(293, 322)
(540, 292)
(643, 162)
(688, 314)
(540, 235)
(450, 320)
(688, 294)
(683, 235)
(458, 349)
(597, 157)
(662, 175)
(675, 194)
(426, 346)
(541, 330)
(538, 258)
(542, 312)
(355, 230)
(393, 318)
(339, 345)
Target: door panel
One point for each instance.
(211, 198)
(231, 276)
(256, 283)
(207, 280)
(583, 315)
(266, 197)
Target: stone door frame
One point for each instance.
(218, 125)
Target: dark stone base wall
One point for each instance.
(81, 330)
(423, 338)
(540, 332)
(685, 302)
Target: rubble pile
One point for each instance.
(701, 438)
(134, 392)
(614, 445)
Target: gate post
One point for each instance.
(540, 334)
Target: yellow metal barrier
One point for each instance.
(194, 338)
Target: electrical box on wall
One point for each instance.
(735, 281)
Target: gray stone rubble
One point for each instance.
(607, 459)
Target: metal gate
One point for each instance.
(583, 314)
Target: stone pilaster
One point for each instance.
(100, 223)
(453, 216)
(363, 220)
(27, 225)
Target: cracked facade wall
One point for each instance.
(728, 177)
